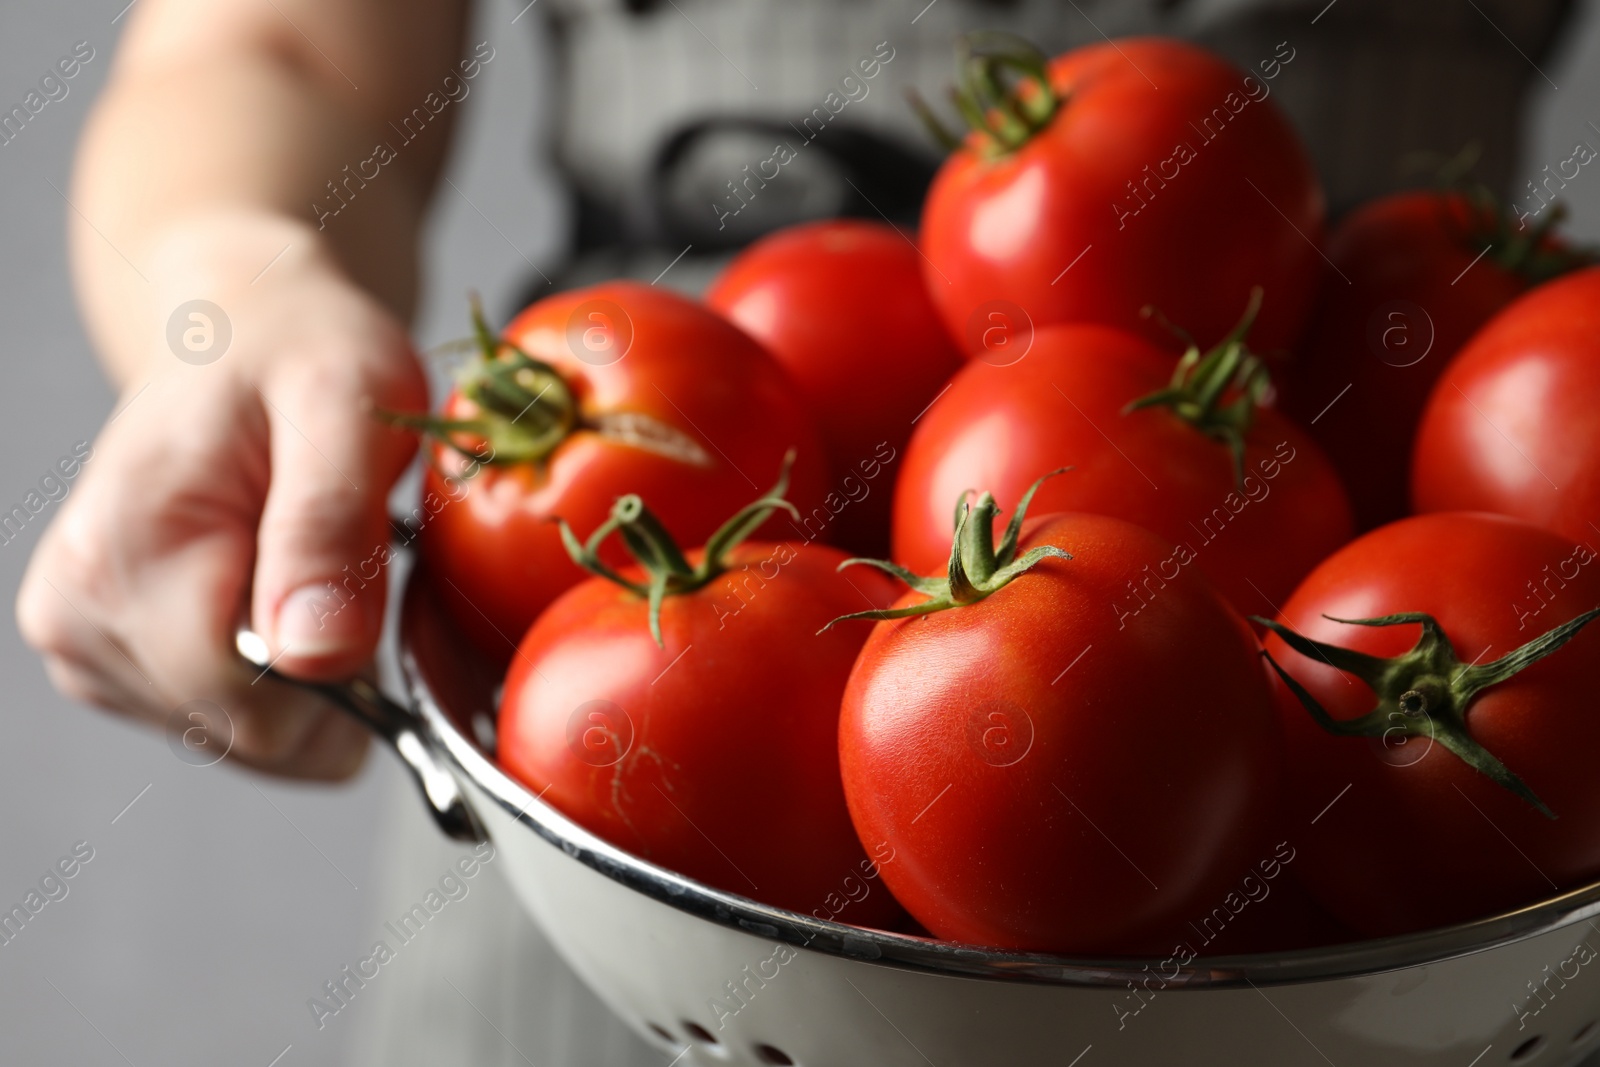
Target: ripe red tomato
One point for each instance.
(1513, 426)
(1063, 405)
(1280, 916)
(1401, 833)
(1155, 173)
(842, 306)
(714, 752)
(1413, 282)
(1052, 777)
(635, 389)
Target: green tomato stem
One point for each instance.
(1425, 692)
(667, 570)
(1002, 93)
(1217, 392)
(1515, 247)
(525, 406)
(978, 567)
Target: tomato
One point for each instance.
(1004, 426)
(1513, 426)
(632, 389)
(842, 306)
(1050, 776)
(1415, 275)
(1402, 833)
(1143, 171)
(713, 751)
(1271, 914)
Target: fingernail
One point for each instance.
(322, 620)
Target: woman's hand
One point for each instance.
(252, 478)
(253, 482)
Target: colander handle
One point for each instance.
(402, 728)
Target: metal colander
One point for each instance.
(723, 979)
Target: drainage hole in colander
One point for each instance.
(1527, 1050)
(699, 1033)
(1585, 1032)
(662, 1032)
(768, 1054)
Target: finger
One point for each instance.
(333, 750)
(86, 684)
(322, 551)
(133, 596)
(187, 611)
(62, 613)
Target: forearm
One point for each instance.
(205, 159)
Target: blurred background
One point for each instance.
(217, 901)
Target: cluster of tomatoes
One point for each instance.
(1163, 697)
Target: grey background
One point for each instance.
(219, 901)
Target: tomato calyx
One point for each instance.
(667, 570)
(1529, 252)
(525, 407)
(1002, 92)
(978, 567)
(1499, 232)
(1425, 692)
(1217, 392)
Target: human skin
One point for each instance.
(239, 488)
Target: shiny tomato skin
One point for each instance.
(1002, 427)
(1037, 769)
(1287, 917)
(841, 304)
(490, 540)
(1012, 229)
(1419, 839)
(1408, 291)
(732, 773)
(1513, 426)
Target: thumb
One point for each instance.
(322, 548)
